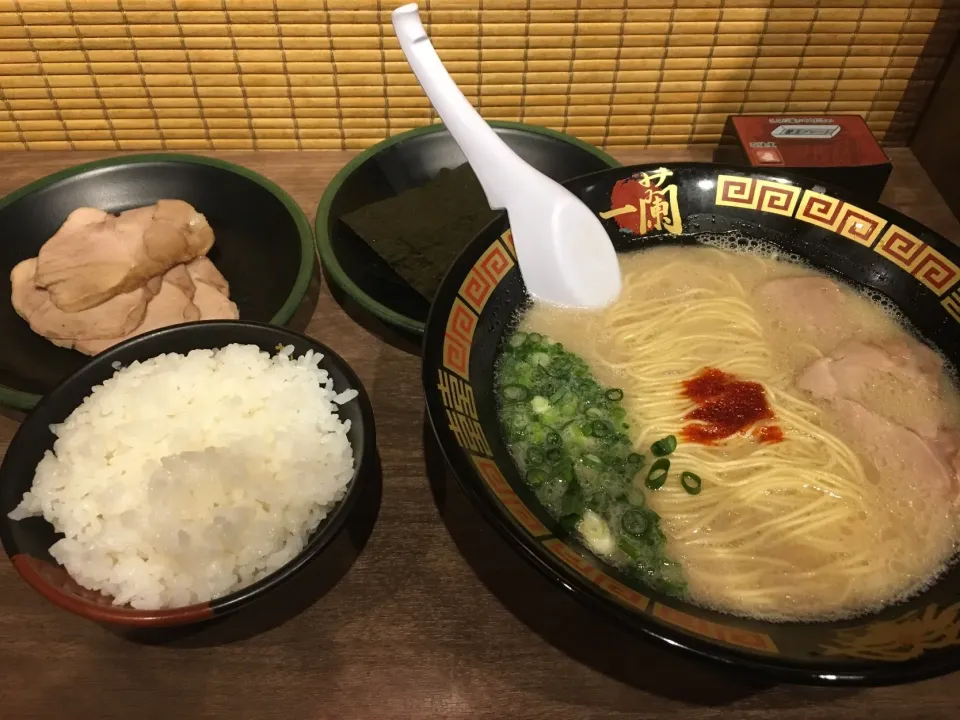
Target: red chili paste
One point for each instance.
(726, 406)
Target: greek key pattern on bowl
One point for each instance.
(484, 276)
(951, 304)
(461, 324)
(840, 217)
(919, 259)
(753, 194)
(905, 250)
(507, 239)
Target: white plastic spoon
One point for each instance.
(566, 257)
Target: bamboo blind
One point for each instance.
(263, 74)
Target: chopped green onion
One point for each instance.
(630, 549)
(664, 446)
(570, 434)
(520, 422)
(565, 425)
(592, 461)
(540, 404)
(691, 482)
(536, 476)
(658, 474)
(515, 393)
(569, 522)
(599, 428)
(572, 503)
(599, 504)
(635, 523)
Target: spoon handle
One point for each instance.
(492, 161)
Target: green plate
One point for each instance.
(404, 161)
(263, 246)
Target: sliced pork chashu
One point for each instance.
(908, 465)
(900, 381)
(187, 293)
(95, 256)
(170, 306)
(212, 292)
(206, 287)
(117, 316)
(202, 270)
(815, 312)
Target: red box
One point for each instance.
(835, 149)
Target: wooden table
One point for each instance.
(436, 617)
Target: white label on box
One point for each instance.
(806, 132)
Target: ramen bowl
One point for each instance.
(867, 245)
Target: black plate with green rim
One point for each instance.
(263, 247)
(865, 244)
(405, 161)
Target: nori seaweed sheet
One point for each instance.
(420, 232)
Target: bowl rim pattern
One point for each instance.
(905, 244)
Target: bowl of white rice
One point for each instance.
(185, 473)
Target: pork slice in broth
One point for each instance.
(907, 464)
(899, 381)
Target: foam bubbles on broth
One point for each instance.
(862, 543)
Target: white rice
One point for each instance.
(183, 478)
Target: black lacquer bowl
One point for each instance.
(405, 161)
(27, 542)
(865, 244)
(263, 245)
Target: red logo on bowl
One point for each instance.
(644, 202)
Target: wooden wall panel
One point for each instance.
(189, 74)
